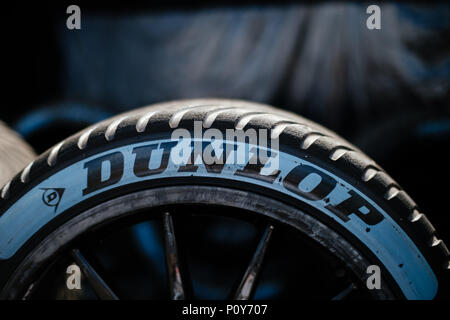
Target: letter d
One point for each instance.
(94, 172)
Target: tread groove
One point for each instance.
(176, 118)
(53, 156)
(211, 117)
(84, 138)
(338, 152)
(278, 128)
(246, 118)
(309, 139)
(112, 128)
(26, 172)
(141, 124)
(369, 173)
(435, 241)
(392, 192)
(5, 190)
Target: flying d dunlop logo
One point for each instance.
(52, 197)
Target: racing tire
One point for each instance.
(323, 186)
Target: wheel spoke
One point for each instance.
(172, 260)
(344, 293)
(247, 285)
(100, 287)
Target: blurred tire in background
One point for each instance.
(15, 153)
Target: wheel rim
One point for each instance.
(162, 201)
